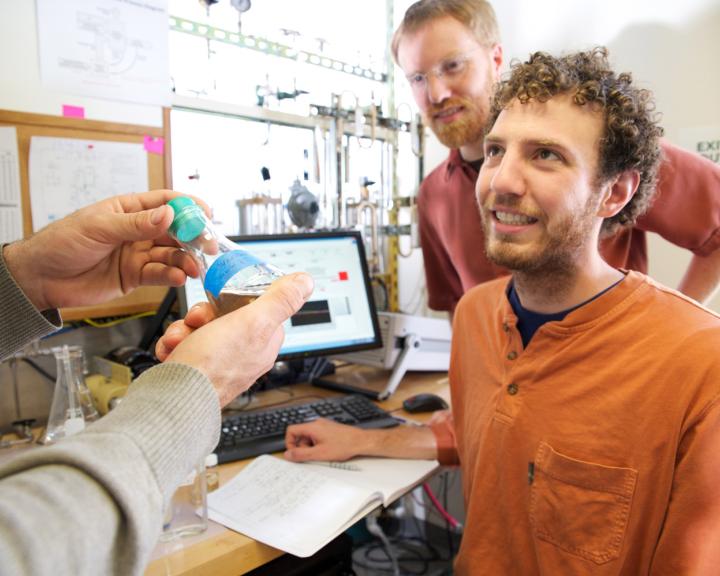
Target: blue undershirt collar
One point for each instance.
(529, 322)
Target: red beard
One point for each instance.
(467, 129)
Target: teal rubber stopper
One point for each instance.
(189, 221)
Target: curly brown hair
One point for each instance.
(631, 134)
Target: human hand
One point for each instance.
(324, 440)
(100, 252)
(236, 349)
(197, 316)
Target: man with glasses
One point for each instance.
(451, 54)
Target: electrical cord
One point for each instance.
(414, 556)
(235, 406)
(374, 528)
(318, 367)
(451, 548)
(385, 304)
(457, 526)
(116, 321)
(421, 503)
(39, 369)
(246, 406)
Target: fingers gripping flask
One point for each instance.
(231, 276)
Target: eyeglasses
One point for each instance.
(448, 68)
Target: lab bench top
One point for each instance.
(222, 552)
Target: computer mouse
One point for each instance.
(424, 403)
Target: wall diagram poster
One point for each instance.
(115, 49)
(11, 227)
(67, 174)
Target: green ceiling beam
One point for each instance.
(272, 48)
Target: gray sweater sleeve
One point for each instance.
(20, 321)
(92, 504)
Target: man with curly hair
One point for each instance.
(451, 54)
(586, 398)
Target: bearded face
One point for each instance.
(451, 76)
(557, 240)
(458, 121)
(539, 195)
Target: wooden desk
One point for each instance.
(222, 552)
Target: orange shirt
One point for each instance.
(686, 212)
(595, 450)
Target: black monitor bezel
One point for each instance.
(377, 337)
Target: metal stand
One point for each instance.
(410, 346)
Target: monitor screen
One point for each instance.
(340, 315)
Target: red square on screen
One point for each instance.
(342, 275)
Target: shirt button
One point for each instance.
(512, 355)
(512, 389)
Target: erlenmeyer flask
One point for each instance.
(72, 404)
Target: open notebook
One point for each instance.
(299, 508)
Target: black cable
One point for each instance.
(39, 369)
(436, 555)
(248, 400)
(288, 391)
(422, 554)
(375, 566)
(386, 294)
(432, 510)
(294, 398)
(418, 526)
(318, 368)
(384, 564)
(414, 558)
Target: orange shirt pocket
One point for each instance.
(580, 507)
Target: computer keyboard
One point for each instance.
(262, 431)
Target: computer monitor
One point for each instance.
(340, 315)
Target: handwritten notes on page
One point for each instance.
(67, 174)
(299, 508)
(285, 505)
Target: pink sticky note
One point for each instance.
(73, 111)
(154, 145)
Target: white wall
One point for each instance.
(20, 86)
(670, 47)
